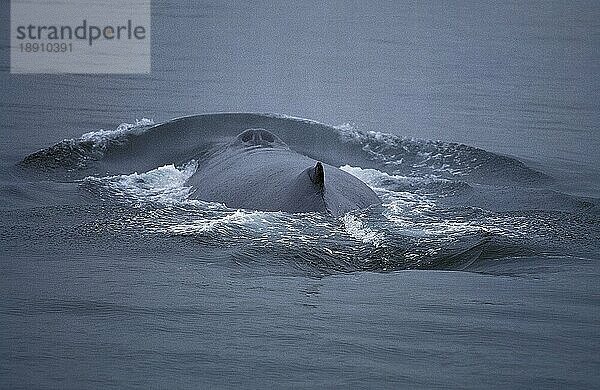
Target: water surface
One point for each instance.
(476, 124)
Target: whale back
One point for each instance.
(258, 171)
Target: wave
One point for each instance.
(164, 184)
(410, 231)
(144, 145)
(444, 205)
(92, 146)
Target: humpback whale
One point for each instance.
(258, 171)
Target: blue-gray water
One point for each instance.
(481, 269)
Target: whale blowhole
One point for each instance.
(259, 137)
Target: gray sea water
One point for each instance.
(477, 124)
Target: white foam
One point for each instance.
(355, 228)
(378, 179)
(235, 219)
(349, 132)
(401, 208)
(101, 136)
(165, 184)
(384, 147)
(395, 201)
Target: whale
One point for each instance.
(241, 160)
(258, 171)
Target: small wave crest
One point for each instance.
(416, 157)
(78, 153)
(102, 137)
(356, 228)
(165, 184)
(401, 195)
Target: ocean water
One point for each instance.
(476, 124)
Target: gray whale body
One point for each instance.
(258, 171)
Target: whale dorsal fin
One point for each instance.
(317, 176)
